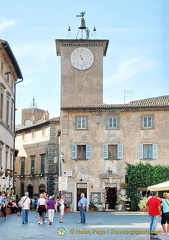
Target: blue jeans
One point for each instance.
(82, 215)
(153, 222)
(25, 215)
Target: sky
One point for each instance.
(137, 59)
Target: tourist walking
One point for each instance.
(3, 204)
(154, 211)
(41, 208)
(165, 213)
(51, 207)
(25, 207)
(82, 204)
(62, 207)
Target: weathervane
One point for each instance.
(81, 14)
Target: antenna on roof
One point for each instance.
(127, 93)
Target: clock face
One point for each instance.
(27, 122)
(82, 58)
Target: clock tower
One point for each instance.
(81, 70)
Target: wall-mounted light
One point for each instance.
(62, 156)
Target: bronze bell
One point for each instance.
(82, 24)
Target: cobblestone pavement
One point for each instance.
(99, 225)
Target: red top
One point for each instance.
(153, 204)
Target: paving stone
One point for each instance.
(99, 225)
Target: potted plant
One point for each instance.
(67, 207)
(119, 205)
(99, 206)
(92, 207)
(142, 204)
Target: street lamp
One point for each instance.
(62, 156)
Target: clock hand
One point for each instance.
(82, 59)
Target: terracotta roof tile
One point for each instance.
(162, 101)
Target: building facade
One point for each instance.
(98, 139)
(10, 73)
(37, 161)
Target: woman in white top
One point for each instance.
(41, 208)
(62, 207)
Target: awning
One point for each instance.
(159, 187)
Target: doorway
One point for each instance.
(30, 191)
(81, 188)
(111, 193)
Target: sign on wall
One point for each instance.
(95, 197)
(63, 184)
(67, 173)
(68, 197)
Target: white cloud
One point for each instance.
(130, 68)
(7, 23)
(40, 52)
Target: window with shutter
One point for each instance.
(113, 151)
(22, 166)
(42, 168)
(32, 165)
(148, 151)
(81, 151)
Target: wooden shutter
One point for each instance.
(105, 151)
(155, 151)
(140, 151)
(74, 151)
(120, 151)
(88, 151)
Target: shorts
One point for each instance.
(165, 218)
(41, 210)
